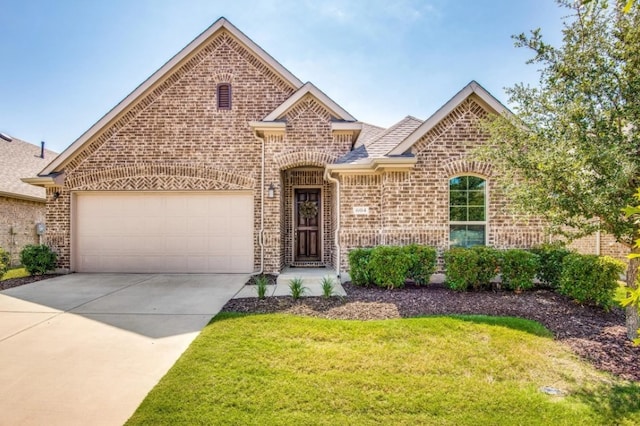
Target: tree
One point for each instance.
(571, 153)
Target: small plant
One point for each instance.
(551, 257)
(423, 263)
(38, 259)
(261, 286)
(327, 287)
(297, 288)
(389, 266)
(461, 268)
(518, 268)
(488, 266)
(5, 261)
(359, 268)
(590, 279)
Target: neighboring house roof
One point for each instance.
(160, 75)
(473, 88)
(19, 159)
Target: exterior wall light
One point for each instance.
(271, 191)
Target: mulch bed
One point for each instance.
(595, 335)
(16, 282)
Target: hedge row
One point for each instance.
(391, 266)
(585, 278)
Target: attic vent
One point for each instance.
(5, 137)
(224, 96)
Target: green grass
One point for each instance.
(469, 370)
(15, 273)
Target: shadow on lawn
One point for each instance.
(613, 402)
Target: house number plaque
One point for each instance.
(361, 210)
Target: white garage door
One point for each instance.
(163, 232)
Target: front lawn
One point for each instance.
(288, 370)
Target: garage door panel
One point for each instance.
(163, 232)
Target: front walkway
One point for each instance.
(311, 279)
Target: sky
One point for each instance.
(66, 63)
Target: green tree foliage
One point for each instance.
(571, 152)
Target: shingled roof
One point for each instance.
(20, 159)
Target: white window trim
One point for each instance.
(486, 208)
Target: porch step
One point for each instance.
(311, 279)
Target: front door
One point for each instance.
(308, 212)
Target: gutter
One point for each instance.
(336, 237)
(261, 232)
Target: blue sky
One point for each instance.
(66, 63)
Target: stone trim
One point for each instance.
(291, 159)
(460, 166)
(159, 177)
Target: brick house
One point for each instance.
(22, 206)
(223, 161)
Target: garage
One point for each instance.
(163, 232)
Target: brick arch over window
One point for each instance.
(290, 160)
(461, 166)
(159, 177)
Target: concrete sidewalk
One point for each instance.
(311, 280)
(85, 349)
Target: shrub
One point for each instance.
(519, 268)
(461, 268)
(389, 266)
(38, 259)
(590, 278)
(422, 263)
(550, 258)
(359, 268)
(488, 266)
(5, 261)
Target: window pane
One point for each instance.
(476, 198)
(458, 198)
(475, 182)
(457, 236)
(466, 235)
(458, 183)
(458, 214)
(476, 214)
(475, 235)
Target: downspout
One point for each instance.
(261, 232)
(598, 242)
(336, 236)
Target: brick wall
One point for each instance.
(17, 224)
(412, 207)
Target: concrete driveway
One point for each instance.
(85, 349)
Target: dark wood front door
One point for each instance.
(308, 212)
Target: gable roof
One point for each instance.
(19, 159)
(473, 88)
(308, 88)
(159, 76)
(368, 133)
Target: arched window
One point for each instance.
(467, 211)
(224, 96)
